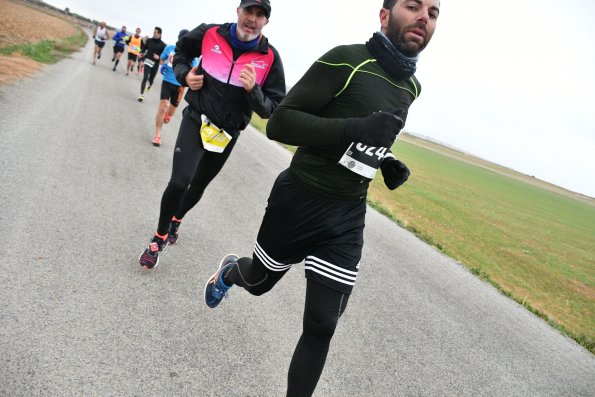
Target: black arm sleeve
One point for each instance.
(188, 48)
(295, 121)
(263, 100)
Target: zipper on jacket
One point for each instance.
(233, 64)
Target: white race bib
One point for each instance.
(362, 159)
(149, 63)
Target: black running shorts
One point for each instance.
(132, 57)
(118, 49)
(300, 224)
(171, 92)
(99, 44)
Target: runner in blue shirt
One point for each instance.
(119, 45)
(171, 91)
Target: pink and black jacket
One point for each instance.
(222, 97)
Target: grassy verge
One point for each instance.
(533, 245)
(49, 51)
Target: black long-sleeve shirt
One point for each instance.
(344, 83)
(152, 47)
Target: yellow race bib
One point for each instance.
(214, 139)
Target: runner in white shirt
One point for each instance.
(101, 35)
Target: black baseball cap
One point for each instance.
(264, 4)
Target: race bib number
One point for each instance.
(149, 63)
(362, 159)
(214, 139)
(135, 48)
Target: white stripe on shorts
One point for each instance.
(269, 262)
(331, 271)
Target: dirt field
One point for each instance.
(21, 23)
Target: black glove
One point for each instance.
(395, 173)
(379, 129)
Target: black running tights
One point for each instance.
(148, 74)
(322, 310)
(192, 171)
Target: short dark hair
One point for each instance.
(389, 4)
(182, 33)
(157, 28)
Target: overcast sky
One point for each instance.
(512, 81)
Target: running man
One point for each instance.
(101, 35)
(119, 45)
(134, 47)
(171, 90)
(224, 91)
(151, 51)
(344, 114)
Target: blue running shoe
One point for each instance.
(215, 289)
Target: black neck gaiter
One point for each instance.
(393, 61)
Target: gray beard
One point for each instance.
(243, 36)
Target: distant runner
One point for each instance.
(101, 35)
(134, 47)
(151, 52)
(119, 46)
(171, 90)
(140, 68)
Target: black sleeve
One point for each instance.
(188, 48)
(295, 121)
(263, 100)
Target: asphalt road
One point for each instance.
(79, 196)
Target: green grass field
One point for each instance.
(535, 245)
(49, 51)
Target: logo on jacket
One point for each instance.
(260, 64)
(216, 49)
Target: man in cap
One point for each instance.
(240, 72)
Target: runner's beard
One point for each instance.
(243, 35)
(396, 34)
